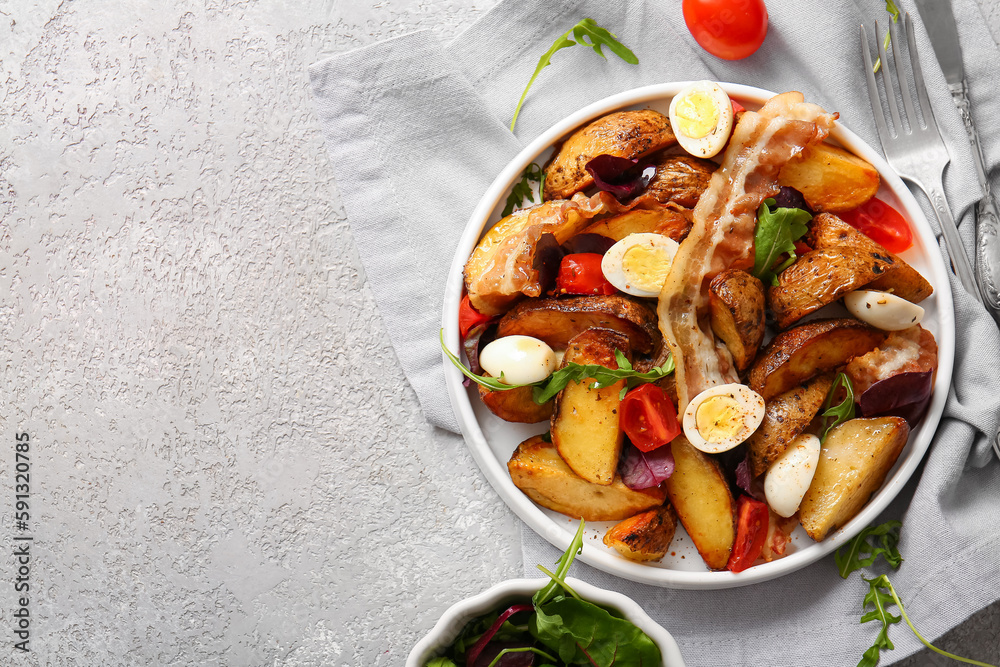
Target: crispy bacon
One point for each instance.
(723, 230)
(912, 350)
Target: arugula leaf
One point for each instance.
(862, 551)
(544, 390)
(598, 37)
(841, 412)
(881, 595)
(894, 13)
(777, 231)
(522, 189)
(562, 567)
(880, 599)
(604, 377)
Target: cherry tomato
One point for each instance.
(728, 29)
(469, 317)
(882, 224)
(801, 248)
(581, 273)
(751, 531)
(649, 418)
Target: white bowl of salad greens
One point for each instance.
(547, 622)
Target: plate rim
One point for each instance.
(542, 524)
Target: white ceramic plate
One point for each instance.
(508, 592)
(492, 440)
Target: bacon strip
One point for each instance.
(723, 230)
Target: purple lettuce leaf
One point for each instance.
(620, 176)
(592, 243)
(644, 470)
(791, 198)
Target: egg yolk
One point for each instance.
(646, 266)
(697, 114)
(719, 418)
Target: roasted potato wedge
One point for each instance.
(585, 421)
(628, 134)
(645, 536)
(808, 350)
(736, 301)
(829, 231)
(667, 221)
(556, 321)
(820, 277)
(853, 464)
(501, 270)
(830, 178)
(537, 469)
(516, 405)
(680, 179)
(786, 416)
(700, 494)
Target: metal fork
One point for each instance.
(916, 150)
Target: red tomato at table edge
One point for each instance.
(581, 273)
(881, 223)
(648, 417)
(752, 518)
(728, 29)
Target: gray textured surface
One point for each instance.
(228, 466)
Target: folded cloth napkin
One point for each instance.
(417, 130)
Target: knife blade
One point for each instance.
(939, 20)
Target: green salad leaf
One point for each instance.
(880, 599)
(546, 389)
(587, 33)
(585, 634)
(862, 551)
(604, 376)
(522, 189)
(894, 14)
(843, 411)
(777, 231)
(870, 543)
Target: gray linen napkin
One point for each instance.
(416, 132)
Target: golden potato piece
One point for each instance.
(794, 356)
(736, 303)
(501, 270)
(830, 178)
(853, 464)
(646, 536)
(700, 494)
(667, 221)
(556, 321)
(820, 277)
(536, 469)
(516, 405)
(628, 134)
(680, 179)
(786, 416)
(585, 422)
(829, 231)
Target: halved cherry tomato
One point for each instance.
(649, 418)
(581, 273)
(728, 29)
(751, 531)
(469, 317)
(801, 248)
(881, 223)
